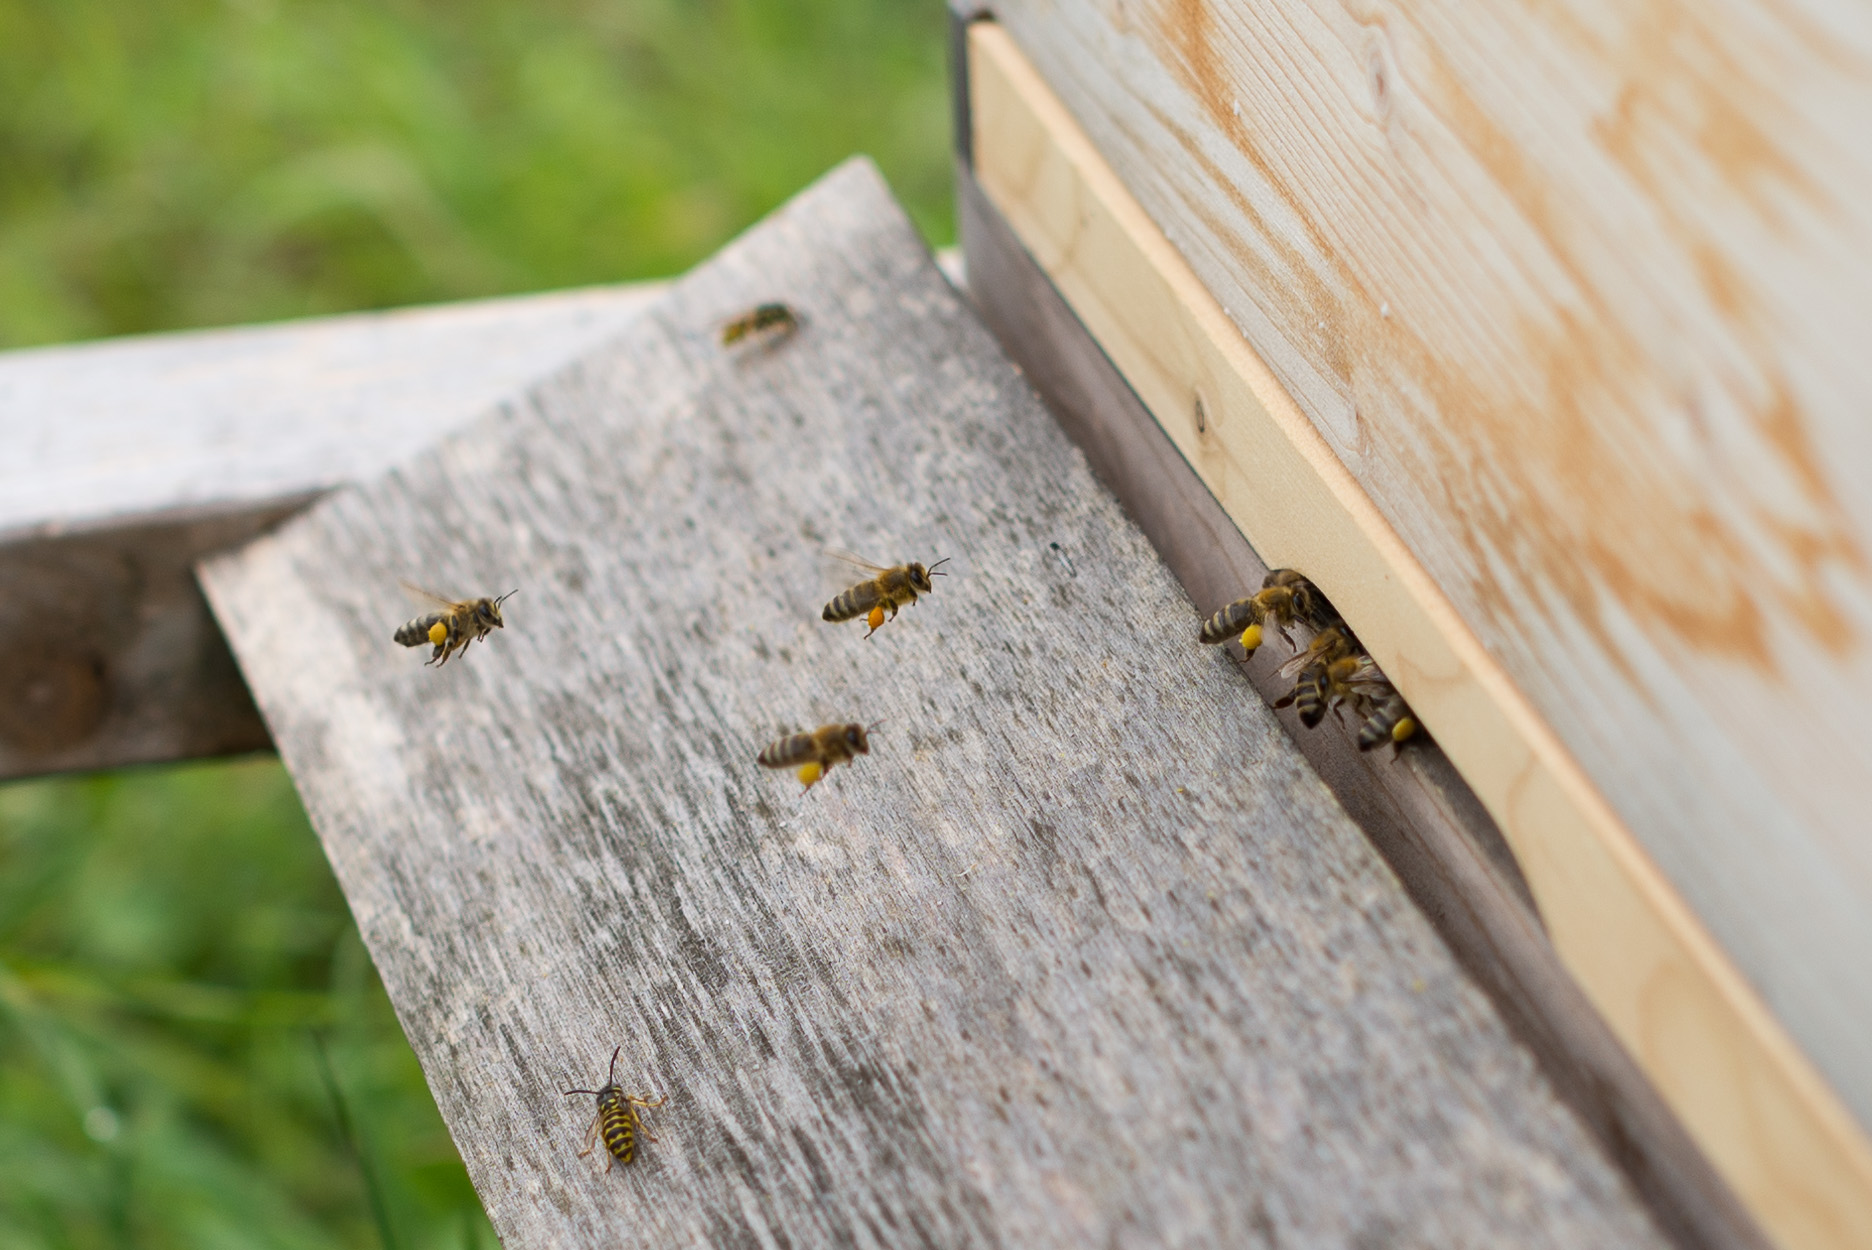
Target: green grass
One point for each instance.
(181, 987)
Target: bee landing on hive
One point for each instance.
(1331, 672)
(887, 590)
(452, 624)
(617, 1119)
(764, 322)
(1285, 598)
(814, 753)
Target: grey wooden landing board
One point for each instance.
(1081, 953)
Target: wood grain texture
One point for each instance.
(130, 460)
(210, 420)
(1753, 1102)
(1081, 953)
(1416, 810)
(1576, 291)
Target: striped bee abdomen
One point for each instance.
(1229, 622)
(857, 601)
(617, 1124)
(787, 751)
(415, 632)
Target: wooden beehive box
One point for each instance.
(1532, 334)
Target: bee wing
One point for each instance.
(856, 562)
(429, 598)
(1297, 663)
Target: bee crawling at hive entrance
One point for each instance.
(1286, 598)
(617, 1120)
(814, 753)
(766, 322)
(450, 625)
(887, 590)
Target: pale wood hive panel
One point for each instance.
(1578, 293)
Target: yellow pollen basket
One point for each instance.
(810, 773)
(1403, 729)
(876, 619)
(1251, 638)
(438, 633)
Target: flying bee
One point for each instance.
(770, 321)
(814, 753)
(617, 1120)
(1285, 598)
(888, 591)
(1388, 720)
(452, 625)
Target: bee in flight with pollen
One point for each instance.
(814, 753)
(886, 591)
(450, 625)
(617, 1120)
(1285, 598)
(771, 322)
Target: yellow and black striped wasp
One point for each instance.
(617, 1120)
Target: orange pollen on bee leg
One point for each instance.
(1403, 729)
(438, 633)
(1251, 638)
(876, 619)
(810, 773)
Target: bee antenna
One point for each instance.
(874, 724)
(611, 1076)
(504, 598)
(932, 568)
(571, 1092)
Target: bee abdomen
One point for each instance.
(1229, 622)
(415, 632)
(787, 751)
(614, 1124)
(1310, 697)
(855, 602)
(1382, 725)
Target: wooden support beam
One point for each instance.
(1081, 952)
(1748, 1097)
(129, 460)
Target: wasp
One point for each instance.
(617, 1120)
(452, 625)
(887, 591)
(1285, 598)
(772, 321)
(816, 752)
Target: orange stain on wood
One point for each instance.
(1545, 444)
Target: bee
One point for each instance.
(1285, 598)
(453, 625)
(816, 752)
(774, 321)
(1331, 670)
(617, 1118)
(1388, 720)
(890, 590)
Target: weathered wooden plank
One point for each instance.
(1417, 812)
(129, 460)
(1576, 292)
(1081, 953)
(1666, 989)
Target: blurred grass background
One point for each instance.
(184, 1001)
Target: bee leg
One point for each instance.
(591, 1138)
(638, 1121)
